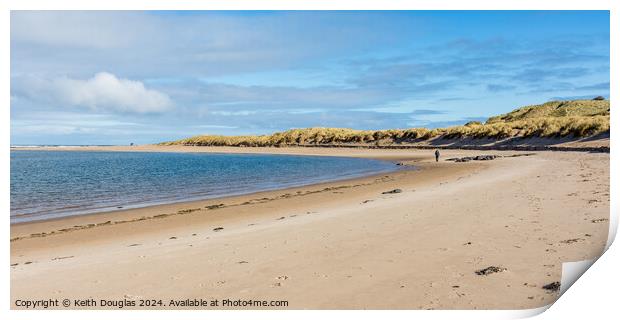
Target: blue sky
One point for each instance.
(119, 77)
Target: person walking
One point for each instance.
(437, 155)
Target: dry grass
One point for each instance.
(555, 109)
(578, 118)
(576, 126)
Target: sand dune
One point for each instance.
(473, 235)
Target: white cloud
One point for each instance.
(104, 91)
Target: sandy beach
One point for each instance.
(339, 245)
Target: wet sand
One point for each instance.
(339, 245)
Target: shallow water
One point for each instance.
(50, 184)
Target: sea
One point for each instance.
(53, 184)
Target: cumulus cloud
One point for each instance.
(103, 92)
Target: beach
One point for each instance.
(410, 239)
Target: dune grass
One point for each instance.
(556, 109)
(577, 118)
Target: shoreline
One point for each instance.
(134, 214)
(354, 239)
(143, 205)
(218, 199)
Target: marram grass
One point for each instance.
(577, 118)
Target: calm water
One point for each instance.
(49, 184)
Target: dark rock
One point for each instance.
(477, 158)
(485, 157)
(552, 287)
(218, 229)
(392, 191)
(489, 270)
(599, 98)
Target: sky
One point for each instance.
(120, 77)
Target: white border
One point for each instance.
(594, 295)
